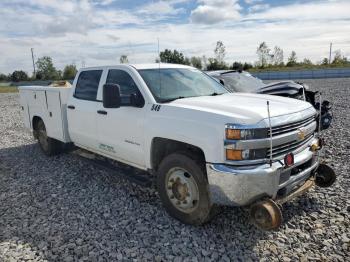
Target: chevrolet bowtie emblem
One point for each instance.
(301, 134)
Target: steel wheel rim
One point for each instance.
(182, 189)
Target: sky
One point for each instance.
(98, 32)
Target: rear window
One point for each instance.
(87, 85)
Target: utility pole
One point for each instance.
(330, 53)
(32, 50)
(158, 50)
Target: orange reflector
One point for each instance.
(289, 159)
(232, 154)
(233, 134)
(314, 147)
(317, 145)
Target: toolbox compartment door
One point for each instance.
(24, 108)
(55, 119)
(46, 103)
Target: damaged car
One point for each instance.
(242, 81)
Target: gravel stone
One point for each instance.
(63, 208)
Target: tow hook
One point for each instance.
(325, 176)
(266, 214)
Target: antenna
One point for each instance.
(160, 80)
(268, 113)
(319, 116)
(319, 124)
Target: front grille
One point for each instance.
(289, 147)
(282, 129)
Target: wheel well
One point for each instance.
(35, 122)
(162, 147)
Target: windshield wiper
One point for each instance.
(180, 97)
(216, 94)
(172, 99)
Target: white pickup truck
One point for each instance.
(207, 146)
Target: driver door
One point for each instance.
(121, 130)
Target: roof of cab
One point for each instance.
(157, 65)
(140, 66)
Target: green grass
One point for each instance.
(8, 89)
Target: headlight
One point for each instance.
(246, 154)
(238, 134)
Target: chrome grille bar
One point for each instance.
(278, 130)
(288, 147)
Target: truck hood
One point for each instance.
(245, 108)
(283, 88)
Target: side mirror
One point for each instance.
(136, 100)
(111, 96)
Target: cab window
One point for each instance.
(127, 86)
(87, 85)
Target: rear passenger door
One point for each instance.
(82, 107)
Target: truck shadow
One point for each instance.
(63, 204)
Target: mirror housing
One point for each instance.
(111, 96)
(136, 100)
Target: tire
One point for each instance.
(325, 176)
(47, 144)
(183, 189)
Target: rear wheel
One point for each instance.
(183, 189)
(48, 145)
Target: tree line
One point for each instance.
(267, 59)
(45, 70)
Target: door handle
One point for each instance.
(71, 107)
(102, 112)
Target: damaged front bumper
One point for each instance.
(243, 185)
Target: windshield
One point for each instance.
(242, 82)
(175, 83)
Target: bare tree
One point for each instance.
(292, 59)
(123, 59)
(263, 52)
(277, 56)
(220, 52)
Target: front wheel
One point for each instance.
(47, 144)
(183, 189)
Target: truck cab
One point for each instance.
(207, 146)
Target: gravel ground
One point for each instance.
(64, 209)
